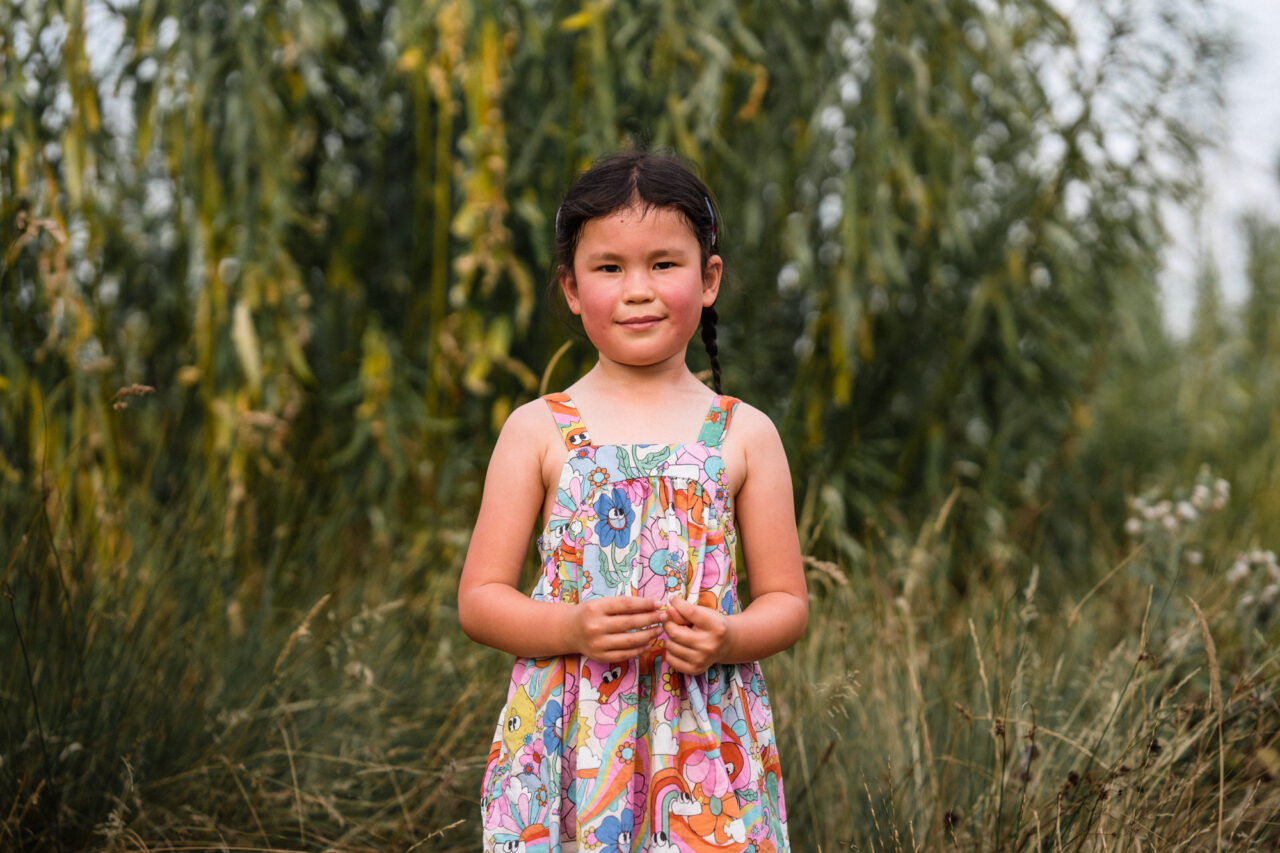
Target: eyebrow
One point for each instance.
(606, 255)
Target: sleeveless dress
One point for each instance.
(635, 756)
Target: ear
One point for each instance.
(712, 272)
(569, 286)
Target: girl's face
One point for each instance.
(639, 284)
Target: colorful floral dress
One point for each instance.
(635, 756)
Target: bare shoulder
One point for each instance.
(532, 418)
(530, 433)
(749, 423)
(752, 446)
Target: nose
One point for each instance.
(637, 286)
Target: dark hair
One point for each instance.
(652, 180)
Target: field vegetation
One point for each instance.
(273, 274)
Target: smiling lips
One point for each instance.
(645, 322)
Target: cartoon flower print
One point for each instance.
(757, 690)
(717, 824)
(705, 769)
(577, 532)
(638, 490)
(568, 499)
(615, 832)
(672, 682)
(606, 719)
(669, 523)
(614, 519)
(676, 571)
(598, 477)
(714, 568)
(578, 437)
(550, 737)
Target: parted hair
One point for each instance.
(654, 180)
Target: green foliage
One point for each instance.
(271, 280)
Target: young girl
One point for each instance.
(637, 717)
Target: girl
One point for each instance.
(637, 717)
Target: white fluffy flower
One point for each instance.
(1239, 571)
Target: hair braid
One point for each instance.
(709, 319)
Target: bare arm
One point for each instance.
(779, 609)
(490, 607)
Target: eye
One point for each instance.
(664, 265)
(513, 722)
(609, 268)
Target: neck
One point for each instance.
(666, 376)
(655, 404)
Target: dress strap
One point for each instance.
(572, 429)
(713, 428)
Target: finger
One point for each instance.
(630, 639)
(695, 614)
(616, 656)
(620, 604)
(689, 635)
(674, 612)
(679, 634)
(683, 664)
(690, 613)
(619, 654)
(635, 622)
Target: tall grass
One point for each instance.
(1126, 717)
(160, 697)
(164, 696)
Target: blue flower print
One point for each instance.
(615, 832)
(616, 515)
(550, 737)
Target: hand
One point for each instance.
(697, 636)
(616, 628)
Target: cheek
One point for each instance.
(686, 304)
(595, 309)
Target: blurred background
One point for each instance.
(274, 273)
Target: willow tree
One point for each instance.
(270, 280)
(982, 235)
(320, 232)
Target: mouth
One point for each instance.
(645, 322)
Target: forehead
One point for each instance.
(637, 227)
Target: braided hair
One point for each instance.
(654, 180)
